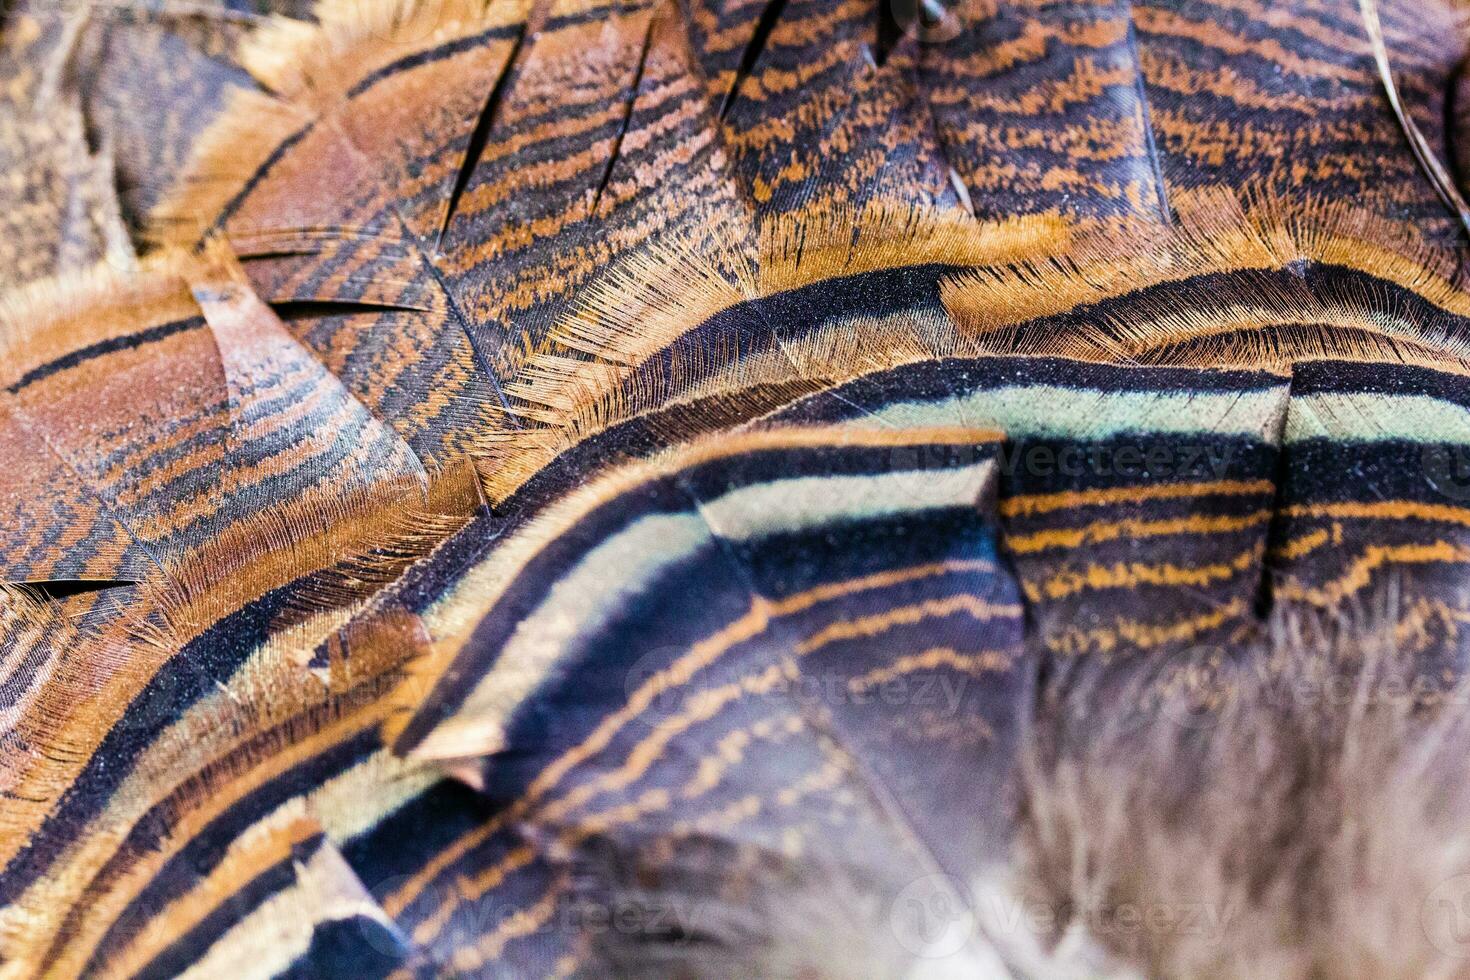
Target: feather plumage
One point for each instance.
(509, 488)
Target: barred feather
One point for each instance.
(541, 487)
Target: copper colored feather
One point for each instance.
(508, 488)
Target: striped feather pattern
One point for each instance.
(562, 462)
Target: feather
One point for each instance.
(545, 487)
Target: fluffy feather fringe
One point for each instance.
(1293, 812)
